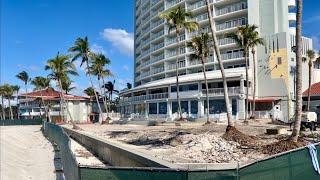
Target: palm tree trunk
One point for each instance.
(3, 110)
(254, 84)
(217, 50)
(207, 88)
(67, 107)
(298, 110)
(177, 74)
(102, 92)
(310, 77)
(9, 103)
(247, 84)
(17, 105)
(105, 96)
(95, 93)
(25, 84)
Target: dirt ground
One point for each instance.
(25, 154)
(192, 142)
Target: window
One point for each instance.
(279, 61)
(153, 108)
(163, 108)
(194, 107)
(292, 59)
(187, 87)
(216, 106)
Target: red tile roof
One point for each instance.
(51, 94)
(314, 90)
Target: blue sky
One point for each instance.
(33, 31)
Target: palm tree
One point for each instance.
(61, 66)
(129, 86)
(200, 45)
(97, 68)
(244, 38)
(217, 51)
(2, 94)
(67, 85)
(16, 89)
(298, 110)
(81, 50)
(89, 92)
(253, 42)
(311, 55)
(176, 19)
(110, 89)
(8, 94)
(41, 83)
(23, 76)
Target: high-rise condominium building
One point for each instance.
(154, 92)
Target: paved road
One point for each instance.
(25, 154)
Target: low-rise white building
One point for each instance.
(34, 104)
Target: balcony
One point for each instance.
(157, 58)
(196, 62)
(226, 41)
(232, 8)
(158, 23)
(220, 91)
(173, 40)
(174, 53)
(206, 29)
(145, 74)
(200, 17)
(292, 17)
(172, 3)
(157, 35)
(232, 24)
(233, 55)
(145, 97)
(173, 66)
(158, 46)
(198, 5)
(157, 70)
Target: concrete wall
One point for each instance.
(117, 154)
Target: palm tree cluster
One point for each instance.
(7, 93)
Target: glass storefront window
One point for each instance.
(194, 107)
(163, 108)
(153, 108)
(215, 106)
(234, 107)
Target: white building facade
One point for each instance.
(154, 94)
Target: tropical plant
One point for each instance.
(200, 45)
(81, 50)
(67, 85)
(23, 76)
(97, 68)
(89, 92)
(176, 19)
(311, 55)
(244, 38)
(218, 55)
(40, 82)
(8, 94)
(16, 89)
(110, 90)
(254, 41)
(129, 86)
(61, 67)
(298, 106)
(2, 94)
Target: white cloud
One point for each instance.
(125, 67)
(97, 49)
(121, 39)
(28, 67)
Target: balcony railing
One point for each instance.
(173, 66)
(174, 53)
(196, 62)
(157, 35)
(157, 58)
(233, 55)
(158, 23)
(232, 24)
(145, 97)
(225, 41)
(200, 17)
(173, 40)
(172, 3)
(158, 46)
(220, 91)
(157, 70)
(198, 5)
(232, 8)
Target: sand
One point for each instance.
(25, 154)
